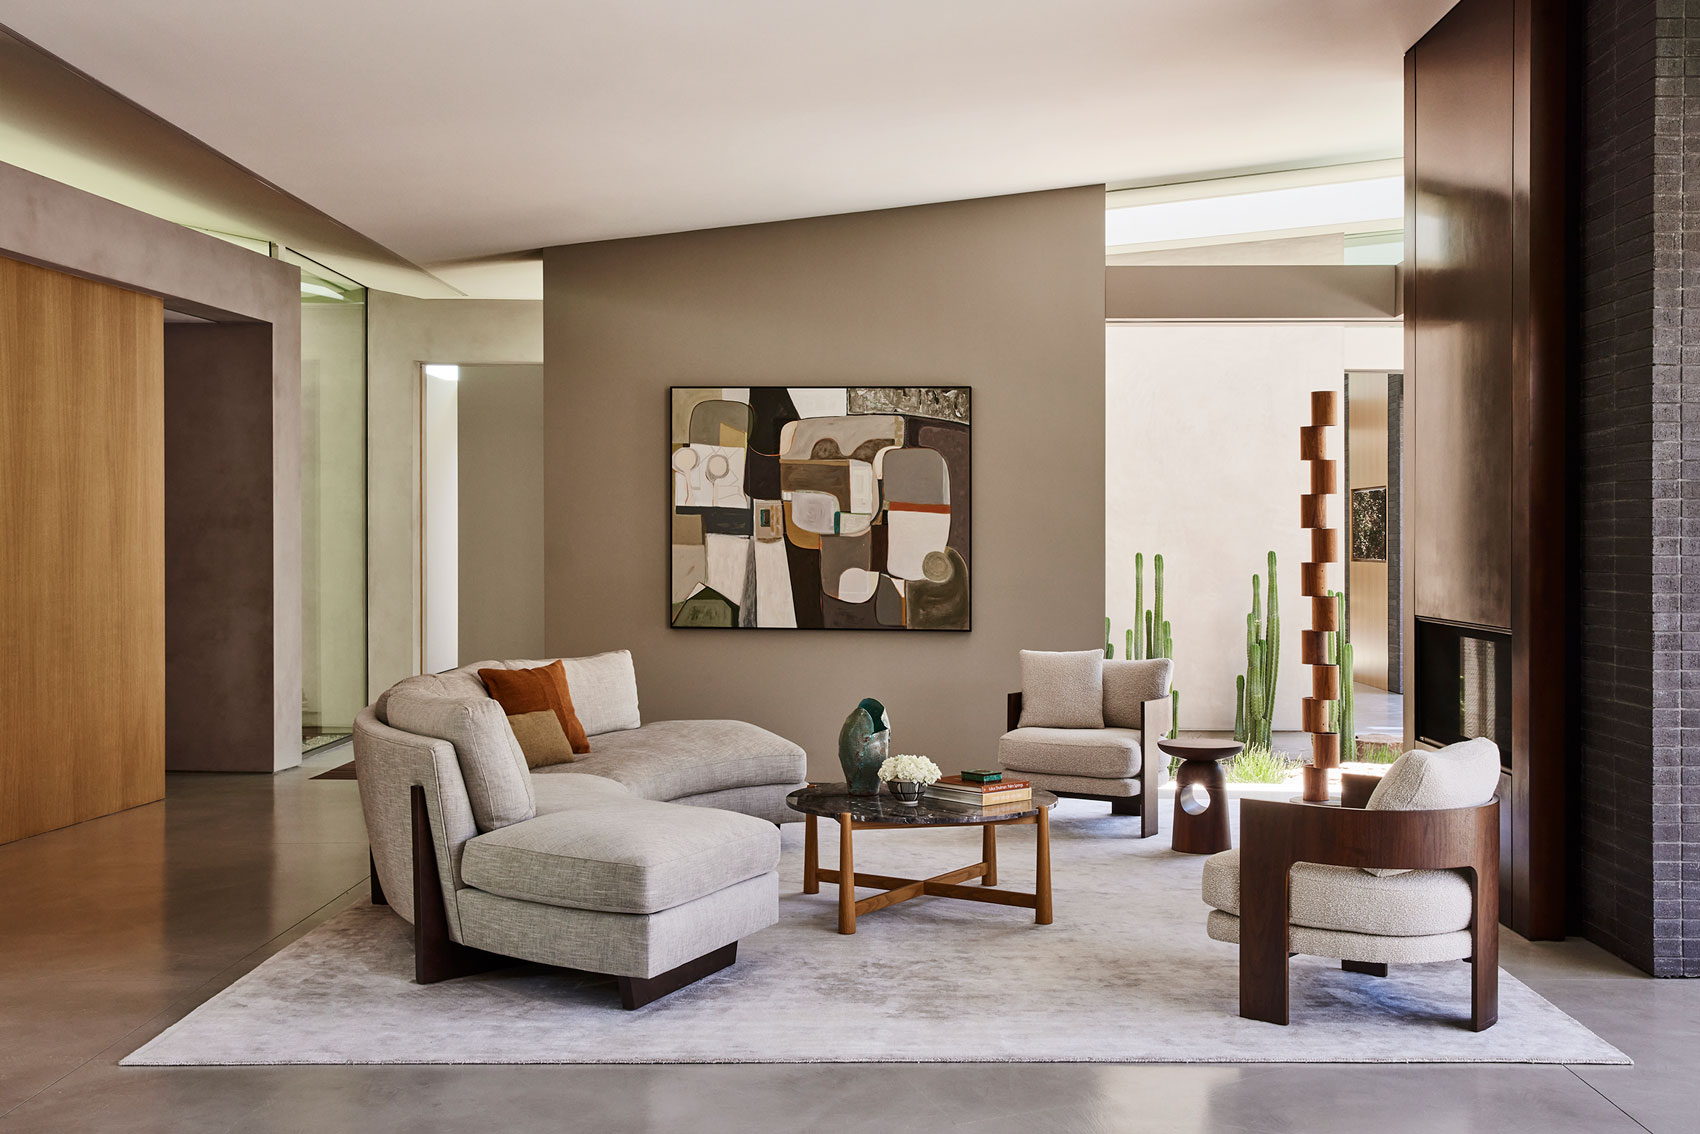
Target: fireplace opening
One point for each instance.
(1463, 684)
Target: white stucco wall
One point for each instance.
(1202, 465)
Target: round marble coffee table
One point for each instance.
(883, 813)
(1201, 794)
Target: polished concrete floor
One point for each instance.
(1378, 712)
(112, 930)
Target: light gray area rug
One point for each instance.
(1124, 975)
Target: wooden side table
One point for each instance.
(1201, 826)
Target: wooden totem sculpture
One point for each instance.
(1313, 584)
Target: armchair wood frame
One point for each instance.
(1275, 835)
(1154, 720)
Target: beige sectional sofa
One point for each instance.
(647, 858)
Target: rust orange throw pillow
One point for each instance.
(532, 690)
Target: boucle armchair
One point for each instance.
(1086, 728)
(1412, 877)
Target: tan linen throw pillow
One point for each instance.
(541, 738)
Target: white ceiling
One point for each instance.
(450, 131)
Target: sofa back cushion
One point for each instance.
(1128, 685)
(605, 693)
(1062, 690)
(498, 782)
(1465, 774)
(456, 684)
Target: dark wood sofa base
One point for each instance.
(635, 992)
(437, 956)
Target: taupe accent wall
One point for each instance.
(500, 470)
(1004, 294)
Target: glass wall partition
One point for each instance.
(333, 502)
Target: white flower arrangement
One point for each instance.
(909, 769)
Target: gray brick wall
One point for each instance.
(1637, 850)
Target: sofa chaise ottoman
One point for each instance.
(646, 859)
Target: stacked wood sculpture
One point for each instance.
(1313, 584)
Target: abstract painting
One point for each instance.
(819, 508)
(1369, 525)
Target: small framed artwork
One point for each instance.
(1369, 525)
(820, 508)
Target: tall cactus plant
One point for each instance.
(1151, 636)
(1136, 648)
(1342, 715)
(1109, 646)
(1239, 708)
(1256, 688)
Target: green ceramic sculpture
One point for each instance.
(863, 744)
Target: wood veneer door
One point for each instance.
(82, 549)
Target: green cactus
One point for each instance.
(1272, 634)
(1152, 650)
(1137, 651)
(1333, 648)
(1151, 635)
(1348, 707)
(1109, 647)
(1239, 708)
(1263, 654)
(1174, 713)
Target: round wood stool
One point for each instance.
(1201, 794)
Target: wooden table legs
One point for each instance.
(947, 885)
(846, 876)
(1042, 883)
(811, 856)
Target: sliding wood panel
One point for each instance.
(82, 550)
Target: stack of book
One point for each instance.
(955, 789)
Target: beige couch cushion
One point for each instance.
(569, 793)
(621, 855)
(1062, 690)
(603, 688)
(456, 684)
(669, 759)
(1129, 684)
(498, 783)
(1101, 753)
(1423, 950)
(1413, 903)
(1465, 774)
